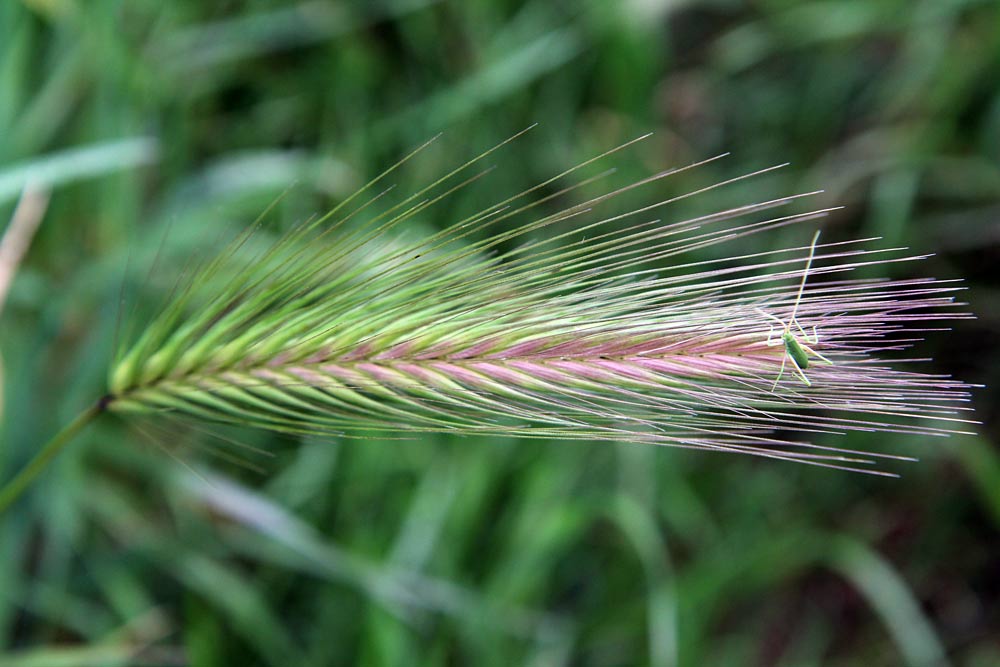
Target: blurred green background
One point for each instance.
(158, 125)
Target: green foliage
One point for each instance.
(161, 125)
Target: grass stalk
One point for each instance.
(13, 489)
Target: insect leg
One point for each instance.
(815, 337)
(780, 373)
(799, 327)
(770, 332)
(800, 373)
(815, 353)
(770, 336)
(771, 317)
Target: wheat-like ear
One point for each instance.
(577, 332)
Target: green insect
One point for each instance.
(795, 349)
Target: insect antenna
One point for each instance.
(805, 274)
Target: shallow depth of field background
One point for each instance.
(161, 126)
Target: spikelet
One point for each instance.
(341, 327)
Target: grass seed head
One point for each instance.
(341, 327)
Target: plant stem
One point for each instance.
(15, 487)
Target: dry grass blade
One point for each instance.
(14, 244)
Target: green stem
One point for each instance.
(15, 487)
